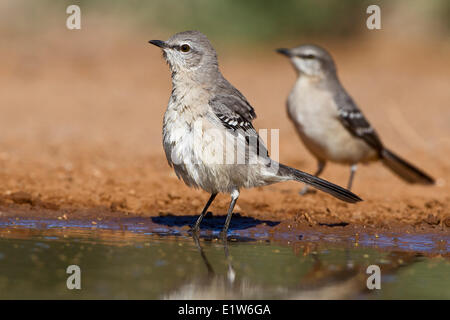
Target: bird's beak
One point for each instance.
(284, 51)
(159, 43)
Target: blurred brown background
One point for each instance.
(81, 110)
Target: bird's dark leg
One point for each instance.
(320, 167)
(352, 174)
(196, 227)
(234, 197)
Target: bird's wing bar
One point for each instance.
(232, 112)
(355, 122)
(226, 108)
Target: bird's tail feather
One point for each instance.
(321, 184)
(403, 169)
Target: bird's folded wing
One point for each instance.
(354, 121)
(234, 114)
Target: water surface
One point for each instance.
(117, 263)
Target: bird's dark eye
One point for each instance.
(185, 48)
(307, 56)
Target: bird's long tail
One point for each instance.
(323, 185)
(403, 169)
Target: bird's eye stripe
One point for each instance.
(307, 56)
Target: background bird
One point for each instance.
(208, 136)
(329, 122)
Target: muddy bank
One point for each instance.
(314, 212)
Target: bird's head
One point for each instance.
(310, 60)
(188, 52)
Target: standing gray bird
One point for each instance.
(330, 124)
(208, 136)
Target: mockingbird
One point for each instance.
(207, 120)
(330, 124)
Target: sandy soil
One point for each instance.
(80, 131)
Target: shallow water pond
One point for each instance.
(120, 264)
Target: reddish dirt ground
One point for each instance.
(80, 132)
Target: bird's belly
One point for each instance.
(200, 156)
(327, 139)
(182, 153)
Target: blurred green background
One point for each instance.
(250, 21)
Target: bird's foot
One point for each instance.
(223, 235)
(194, 230)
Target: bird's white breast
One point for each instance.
(315, 115)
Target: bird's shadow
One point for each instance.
(212, 222)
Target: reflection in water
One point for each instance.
(119, 264)
(321, 282)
